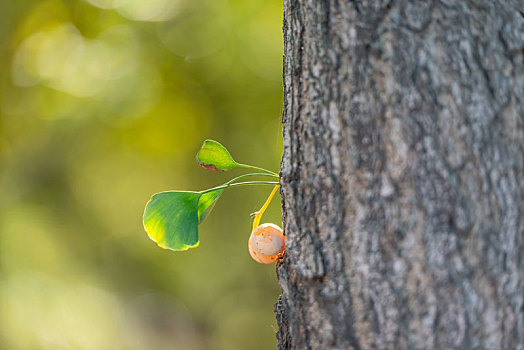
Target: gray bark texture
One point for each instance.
(402, 175)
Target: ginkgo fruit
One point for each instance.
(266, 243)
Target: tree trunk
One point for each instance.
(402, 175)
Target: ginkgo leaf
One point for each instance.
(206, 203)
(213, 156)
(171, 218)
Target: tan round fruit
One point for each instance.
(266, 243)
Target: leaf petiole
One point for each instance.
(248, 175)
(257, 168)
(226, 185)
(230, 182)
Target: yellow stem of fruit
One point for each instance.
(258, 214)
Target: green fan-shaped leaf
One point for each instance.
(171, 218)
(206, 203)
(213, 156)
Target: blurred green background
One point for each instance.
(102, 104)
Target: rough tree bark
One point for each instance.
(402, 175)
